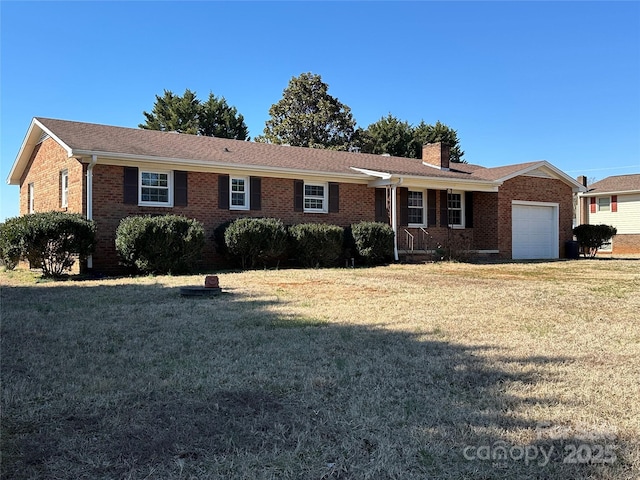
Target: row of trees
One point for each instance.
(187, 114)
(306, 116)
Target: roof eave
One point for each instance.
(610, 192)
(577, 187)
(119, 158)
(383, 179)
(31, 139)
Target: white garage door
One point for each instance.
(534, 231)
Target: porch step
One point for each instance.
(415, 256)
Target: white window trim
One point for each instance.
(599, 209)
(424, 210)
(461, 225)
(607, 247)
(31, 192)
(64, 187)
(247, 196)
(325, 197)
(169, 203)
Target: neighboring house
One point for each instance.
(614, 201)
(106, 173)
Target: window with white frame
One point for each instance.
(31, 192)
(239, 193)
(64, 188)
(155, 188)
(455, 205)
(416, 207)
(604, 204)
(315, 197)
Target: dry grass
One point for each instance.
(392, 372)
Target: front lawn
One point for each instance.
(408, 371)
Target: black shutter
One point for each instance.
(444, 208)
(432, 211)
(298, 195)
(334, 197)
(130, 185)
(381, 205)
(255, 187)
(223, 192)
(404, 205)
(180, 188)
(468, 210)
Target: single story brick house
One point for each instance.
(106, 173)
(614, 201)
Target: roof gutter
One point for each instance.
(394, 217)
(218, 166)
(92, 163)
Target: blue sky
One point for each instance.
(519, 81)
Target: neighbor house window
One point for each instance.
(64, 188)
(455, 205)
(416, 208)
(31, 191)
(239, 193)
(604, 204)
(155, 188)
(315, 197)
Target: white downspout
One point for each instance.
(94, 160)
(394, 218)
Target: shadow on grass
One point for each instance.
(134, 381)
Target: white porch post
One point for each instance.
(394, 219)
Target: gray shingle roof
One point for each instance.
(121, 143)
(616, 183)
(88, 137)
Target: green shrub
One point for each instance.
(592, 237)
(317, 244)
(11, 235)
(256, 240)
(373, 241)
(49, 240)
(160, 244)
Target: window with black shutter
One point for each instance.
(130, 185)
(180, 196)
(223, 192)
(255, 188)
(334, 197)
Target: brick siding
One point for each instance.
(48, 160)
(277, 201)
(534, 189)
(491, 211)
(626, 244)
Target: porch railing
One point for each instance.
(409, 240)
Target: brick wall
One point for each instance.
(485, 221)
(356, 204)
(492, 211)
(626, 244)
(482, 236)
(534, 189)
(48, 160)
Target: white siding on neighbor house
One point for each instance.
(626, 219)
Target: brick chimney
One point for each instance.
(582, 180)
(436, 155)
(583, 207)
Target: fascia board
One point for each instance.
(437, 183)
(577, 187)
(208, 166)
(35, 131)
(372, 173)
(612, 192)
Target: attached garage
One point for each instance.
(534, 233)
